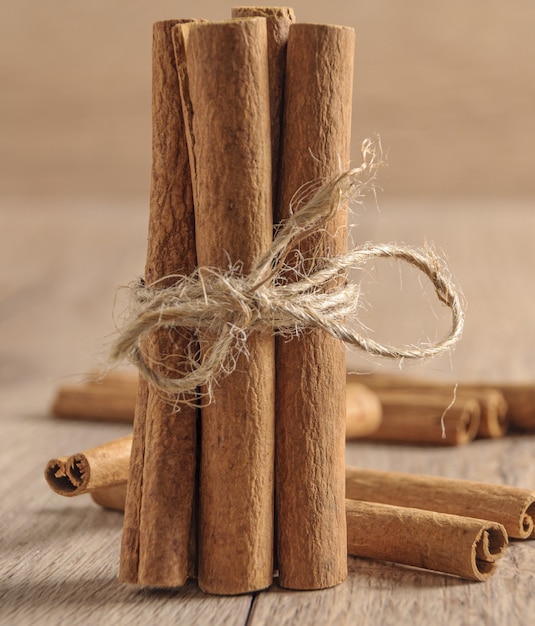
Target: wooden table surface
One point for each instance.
(61, 266)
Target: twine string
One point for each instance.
(219, 310)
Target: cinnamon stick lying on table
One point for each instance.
(495, 410)
(225, 94)
(364, 413)
(310, 392)
(158, 524)
(103, 466)
(462, 546)
(108, 397)
(416, 418)
(512, 507)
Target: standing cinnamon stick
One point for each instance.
(452, 544)
(512, 507)
(227, 99)
(278, 20)
(310, 396)
(158, 515)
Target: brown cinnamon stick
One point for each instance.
(110, 398)
(363, 411)
(103, 466)
(512, 507)
(416, 418)
(310, 392)
(227, 100)
(158, 515)
(452, 544)
(278, 20)
(112, 498)
(520, 399)
(495, 410)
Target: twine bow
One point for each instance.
(218, 311)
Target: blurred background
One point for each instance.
(447, 85)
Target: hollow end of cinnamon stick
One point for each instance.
(451, 544)
(489, 547)
(68, 476)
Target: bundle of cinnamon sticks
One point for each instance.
(246, 112)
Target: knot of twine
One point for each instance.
(218, 310)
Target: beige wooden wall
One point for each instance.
(448, 85)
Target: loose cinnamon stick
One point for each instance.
(112, 498)
(105, 465)
(512, 507)
(158, 516)
(227, 100)
(495, 412)
(110, 398)
(310, 396)
(415, 418)
(363, 411)
(462, 546)
(520, 399)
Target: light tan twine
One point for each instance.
(219, 310)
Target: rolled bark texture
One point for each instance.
(494, 408)
(310, 394)
(430, 420)
(158, 516)
(225, 93)
(512, 507)
(461, 546)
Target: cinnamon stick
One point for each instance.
(310, 396)
(158, 515)
(278, 20)
(227, 100)
(452, 544)
(416, 418)
(112, 498)
(111, 398)
(103, 466)
(495, 409)
(520, 399)
(512, 507)
(363, 411)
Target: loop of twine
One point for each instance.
(221, 309)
